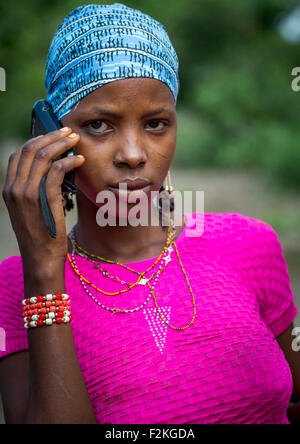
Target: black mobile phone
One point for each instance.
(43, 121)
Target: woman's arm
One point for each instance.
(56, 390)
(285, 341)
(45, 385)
(14, 387)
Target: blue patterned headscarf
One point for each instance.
(98, 44)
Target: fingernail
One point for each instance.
(80, 156)
(73, 135)
(65, 129)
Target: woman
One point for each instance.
(156, 326)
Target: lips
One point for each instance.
(130, 190)
(131, 184)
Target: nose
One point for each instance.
(130, 153)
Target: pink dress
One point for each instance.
(226, 368)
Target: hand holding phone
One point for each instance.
(43, 122)
(27, 168)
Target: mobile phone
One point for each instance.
(43, 121)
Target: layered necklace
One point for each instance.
(163, 260)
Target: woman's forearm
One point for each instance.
(57, 390)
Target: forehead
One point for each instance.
(129, 92)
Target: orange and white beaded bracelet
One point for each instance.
(46, 310)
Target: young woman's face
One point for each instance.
(128, 131)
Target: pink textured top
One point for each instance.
(226, 368)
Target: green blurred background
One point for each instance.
(236, 105)
(238, 117)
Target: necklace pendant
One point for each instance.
(170, 249)
(168, 259)
(143, 282)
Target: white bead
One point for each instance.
(33, 324)
(66, 319)
(35, 317)
(67, 313)
(33, 300)
(49, 297)
(51, 315)
(25, 319)
(49, 322)
(24, 303)
(65, 297)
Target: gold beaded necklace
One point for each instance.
(141, 281)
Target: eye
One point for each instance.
(97, 126)
(158, 125)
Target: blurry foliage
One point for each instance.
(235, 108)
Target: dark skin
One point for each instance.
(133, 143)
(140, 141)
(136, 142)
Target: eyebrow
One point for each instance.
(106, 112)
(158, 111)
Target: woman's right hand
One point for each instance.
(26, 167)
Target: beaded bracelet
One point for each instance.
(46, 310)
(47, 297)
(50, 315)
(47, 319)
(47, 304)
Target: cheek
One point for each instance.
(166, 145)
(162, 152)
(91, 177)
(98, 156)
(161, 163)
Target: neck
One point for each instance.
(120, 243)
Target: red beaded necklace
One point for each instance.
(141, 280)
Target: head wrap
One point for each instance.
(98, 44)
